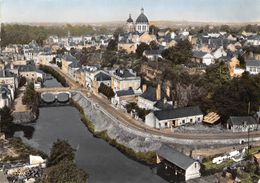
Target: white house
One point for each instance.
(242, 123)
(203, 57)
(174, 117)
(178, 166)
(153, 54)
(220, 52)
(6, 95)
(253, 66)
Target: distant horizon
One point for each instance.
(152, 22)
(89, 11)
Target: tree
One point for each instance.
(60, 151)
(61, 167)
(179, 54)
(29, 95)
(117, 32)
(153, 30)
(6, 118)
(225, 28)
(22, 81)
(153, 45)
(106, 90)
(141, 48)
(64, 172)
(242, 61)
(112, 45)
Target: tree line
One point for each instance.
(24, 34)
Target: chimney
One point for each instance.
(158, 92)
(144, 87)
(168, 92)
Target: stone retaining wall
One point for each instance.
(135, 139)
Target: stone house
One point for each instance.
(155, 98)
(174, 117)
(123, 79)
(242, 123)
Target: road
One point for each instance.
(128, 121)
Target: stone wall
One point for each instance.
(122, 134)
(139, 140)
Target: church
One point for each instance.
(141, 24)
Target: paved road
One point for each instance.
(128, 121)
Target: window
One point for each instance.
(195, 164)
(191, 120)
(166, 124)
(183, 121)
(198, 119)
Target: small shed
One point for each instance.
(177, 163)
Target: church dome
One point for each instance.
(130, 20)
(142, 18)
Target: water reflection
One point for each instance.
(27, 130)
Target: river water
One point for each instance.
(103, 163)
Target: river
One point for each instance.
(103, 163)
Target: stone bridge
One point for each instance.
(50, 97)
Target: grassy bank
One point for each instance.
(55, 74)
(22, 151)
(145, 157)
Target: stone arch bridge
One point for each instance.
(51, 95)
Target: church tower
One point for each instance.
(142, 23)
(130, 24)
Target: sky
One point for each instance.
(87, 11)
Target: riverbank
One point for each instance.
(100, 125)
(55, 74)
(14, 150)
(25, 113)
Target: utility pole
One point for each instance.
(248, 130)
(248, 108)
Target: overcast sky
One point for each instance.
(117, 10)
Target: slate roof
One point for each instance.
(152, 52)
(75, 64)
(130, 20)
(122, 93)
(241, 120)
(178, 113)
(102, 77)
(150, 94)
(142, 18)
(175, 157)
(254, 63)
(162, 105)
(199, 54)
(68, 57)
(26, 68)
(123, 73)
